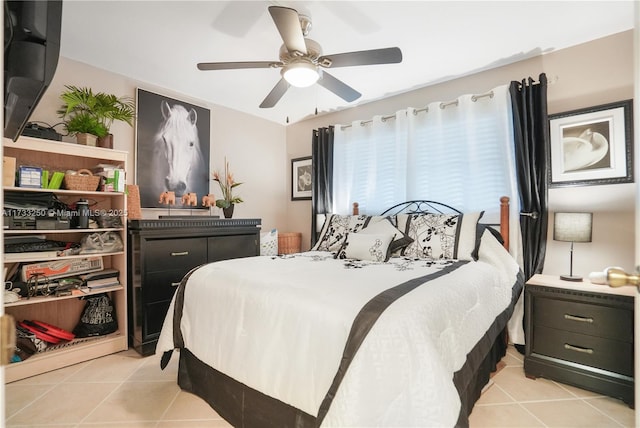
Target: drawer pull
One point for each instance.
(580, 319)
(175, 284)
(578, 349)
(181, 253)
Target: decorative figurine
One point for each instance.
(190, 199)
(168, 198)
(209, 201)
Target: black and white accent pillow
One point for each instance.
(441, 236)
(388, 226)
(335, 229)
(366, 246)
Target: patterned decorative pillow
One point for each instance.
(442, 236)
(335, 228)
(386, 226)
(366, 246)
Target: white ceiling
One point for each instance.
(160, 42)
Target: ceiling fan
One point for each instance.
(301, 61)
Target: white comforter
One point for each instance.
(279, 325)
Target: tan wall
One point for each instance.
(255, 147)
(260, 151)
(586, 75)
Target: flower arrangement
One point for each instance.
(227, 184)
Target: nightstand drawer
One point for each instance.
(611, 355)
(585, 318)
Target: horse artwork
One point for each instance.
(172, 148)
(190, 199)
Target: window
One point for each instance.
(458, 153)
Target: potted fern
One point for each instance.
(89, 115)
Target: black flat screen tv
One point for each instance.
(31, 50)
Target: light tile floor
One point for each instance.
(125, 390)
(515, 401)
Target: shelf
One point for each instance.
(62, 191)
(74, 295)
(39, 259)
(62, 355)
(65, 311)
(64, 149)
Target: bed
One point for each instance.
(389, 320)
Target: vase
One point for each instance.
(228, 212)
(86, 139)
(105, 142)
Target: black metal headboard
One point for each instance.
(421, 207)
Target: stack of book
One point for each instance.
(101, 279)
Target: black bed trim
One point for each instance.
(484, 356)
(245, 407)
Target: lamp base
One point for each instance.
(571, 278)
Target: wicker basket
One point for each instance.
(133, 202)
(82, 180)
(289, 242)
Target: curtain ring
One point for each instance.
(450, 103)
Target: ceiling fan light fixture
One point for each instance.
(301, 74)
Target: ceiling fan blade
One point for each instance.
(338, 87)
(288, 24)
(370, 57)
(276, 93)
(236, 65)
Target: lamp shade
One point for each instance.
(572, 227)
(300, 74)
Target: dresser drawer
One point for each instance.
(175, 254)
(161, 285)
(585, 318)
(611, 355)
(232, 247)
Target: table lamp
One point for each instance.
(572, 227)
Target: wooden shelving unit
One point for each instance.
(65, 312)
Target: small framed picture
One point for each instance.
(592, 146)
(301, 178)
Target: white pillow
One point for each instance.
(366, 246)
(269, 243)
(383, 226)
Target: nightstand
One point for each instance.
(580, 334)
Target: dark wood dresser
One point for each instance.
(580, 334)
(162, 251)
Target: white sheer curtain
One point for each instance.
(460, 153)
(371, 165)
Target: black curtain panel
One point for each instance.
(531, 132)
(322, 164)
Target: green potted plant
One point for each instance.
(85, 112)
